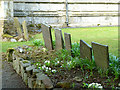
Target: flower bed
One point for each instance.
(33, 63)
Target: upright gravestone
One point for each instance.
(67, 37)
(47, 36)
(59, 43)
(101, 55)
(17, 25)
(25, 30)
(85, 50)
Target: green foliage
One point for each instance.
(85, 85)
(38, 42)
(114, 66)
(76, 49)
(53, 42)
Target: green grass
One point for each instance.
(103, 35)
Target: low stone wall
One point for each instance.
(33, 78)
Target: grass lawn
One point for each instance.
(103, 35)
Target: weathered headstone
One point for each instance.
(85, 50)
(25, 30)
(59, 43)
(101, 55)
(47, 36)
(17, 25)
(67, 37)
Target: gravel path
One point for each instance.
(10, 79)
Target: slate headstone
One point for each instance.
(59, 43)
(25, 30)
(85, 50)
(47, 36)
(17, 25)
(67, 37)
(101, 55)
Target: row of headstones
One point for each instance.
(100, 52)
(19, 30)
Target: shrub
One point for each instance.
(38, 42)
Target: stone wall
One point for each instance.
(6, 13)
(80, 12)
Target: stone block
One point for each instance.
(17, 65)
(34, 72)
(47, 36)
(17, 25)
(23, 65)
(14, 64)
(85, 50)
(29, 70)
(59, 43)
(25, 78)
(68, 45)
(101, 55)
(45, 79)
(31, 82)
(25, 30)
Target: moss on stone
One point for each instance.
(25, 62)
(7, 35)
(31, 25)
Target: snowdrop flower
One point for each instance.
(96, 85)
(54, 71)
(43, 67)
(58, 62)
(37, 64)
(100, 86)
(40, 68)
(47, 62)
(49, 68)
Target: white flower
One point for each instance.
(100, 86)
(49, 68)
(47, 61)
(43, 67)
(96, 85)
(46, 70)
(37, 64)
(58, 62)
(54, 71)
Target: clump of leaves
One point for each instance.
(76, 49)
(114, 66)
(38, 42)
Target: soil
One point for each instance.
(10, 79)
